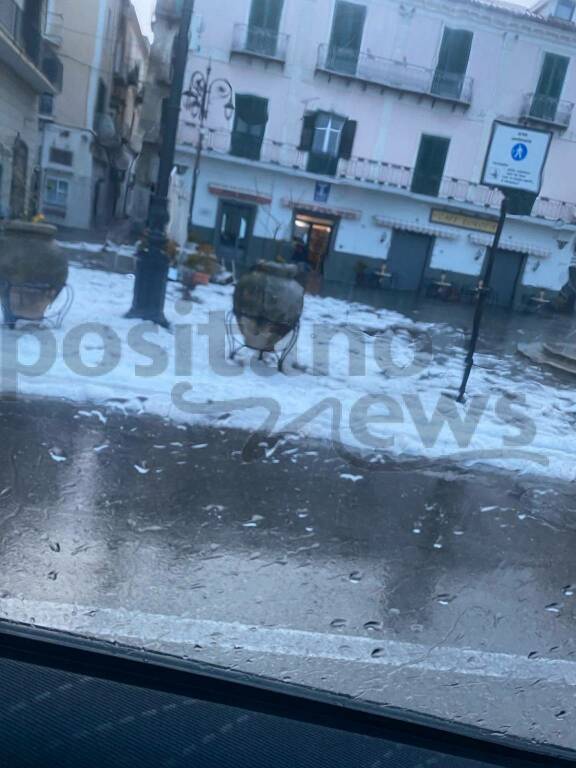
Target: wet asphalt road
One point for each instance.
(439, 589)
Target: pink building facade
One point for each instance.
(361, 130)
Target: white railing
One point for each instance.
(378, 173)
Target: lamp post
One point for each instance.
(152, 268)
(202, 89)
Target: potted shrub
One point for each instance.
(199, 266)
(33, 270)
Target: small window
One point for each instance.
(61, 156)
(46, 104)
(430, 165)
(327, 138)
(327, 134)
(565, 10)
(56, 192)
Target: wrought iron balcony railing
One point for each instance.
(366, 171)
(546, 109)
(255, 41)
(30, 40)
(396, 75)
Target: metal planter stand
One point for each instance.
(237, 345)
(12, 315)
(268, 305)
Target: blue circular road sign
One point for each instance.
(519, 152)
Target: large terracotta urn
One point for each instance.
(33, 270)
(268, 303)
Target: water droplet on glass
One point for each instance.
(355, 576)
(338, 623)
(569, 591)
(553, 608)
(377, 653)
(373, 626)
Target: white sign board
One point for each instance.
(516, 158)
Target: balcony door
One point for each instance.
(346, 37)
(263, 26)
(430, 164)
(234, 232)
(452, 63)
(250, 121)
(550, 85)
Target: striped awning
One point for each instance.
(414, 226)
(527, 248)
(243, 195)
(341, 213)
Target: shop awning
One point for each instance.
(414, 226)
(341, 213)
(239, 194)
(527, 248)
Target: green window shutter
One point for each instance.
(266, 14)
(346, 36)
(430, 164)
(452, 63)
(347, 139)
(455, 51)
(552, 76)
(250, 119)
(307, 136)
(549, 89)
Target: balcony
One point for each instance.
(394, 75)
(363, 171)
(546, 110)
(259, 43)
(23, 48)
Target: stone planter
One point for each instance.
(268, 303)
(33, 270)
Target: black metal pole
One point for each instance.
(152, 269)
(482, 294)
(200, 145)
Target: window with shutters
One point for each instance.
(546, 100)
(263, 26)
(327, 138)
(430, 165)
(250, 119)
(346, 37)
(452, 63)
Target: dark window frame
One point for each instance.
(423, 182)
(247, 143)
(326, 163)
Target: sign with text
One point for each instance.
(516, 158)
(322, 191)
(463, 221)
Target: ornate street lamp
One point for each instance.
(152, 268)
(200, 94)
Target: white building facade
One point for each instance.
(91, 131)
(28, 69)
(361, 130)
